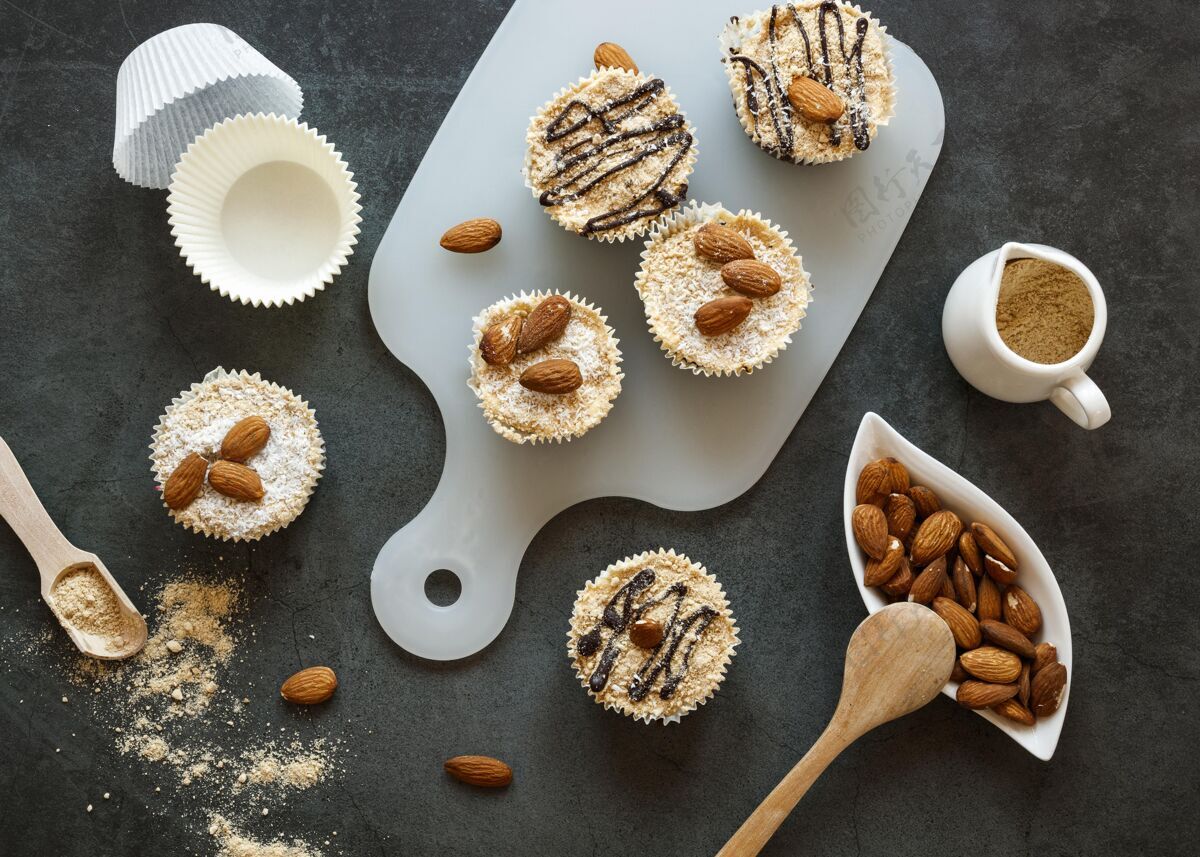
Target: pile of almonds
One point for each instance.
(229, 475)
(514, 334)
(741, 272)
(920, 551)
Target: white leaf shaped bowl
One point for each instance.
(263, 208)
(877, 439)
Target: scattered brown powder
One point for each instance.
(83, 599)
(234, 844)
(1044, 311)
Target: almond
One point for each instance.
(874, 484)
(498, 345)
(962, 624)
(722, 315)
(552, 376)
(612, 55)
(993, 664)
(981, 694)
(969, 551)
(899, 473)
(880, 571)
(721, 244)
(901, 514)
(1047, 689)
(926, 501)
(545, 324)
(472, 236)
(752, 278)
(997, 570)
(964, 585)
(948, 589)
(936, 535)
(247, 437)
(958, 674)
(902, 581)
(1044, 654)
(185, 482)
(870, 528)
(1007, 637)
(309, 686)
(236, 480)
(1014, 710)
(928, 584)
(988, 595)
(1021, 611)
(1023, 684)
(481, 771)
(990, 543)
(646, 633)
(814, 101)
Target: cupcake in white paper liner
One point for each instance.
(610, 154)
(525, 415)
(182, 81)
(652, 636)
(264, 210)
(675, 281)
(762, 60)
(288, 465)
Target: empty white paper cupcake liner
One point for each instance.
(616, 705)
(182, 81)
(264, 210)
(630, 230)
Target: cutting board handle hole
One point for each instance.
(443, 587)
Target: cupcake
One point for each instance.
(610, 154)
(812, 82)
(545, 366)
(723, 293)
(237, 457)
(652, 636)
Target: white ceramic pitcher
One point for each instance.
(980, 355)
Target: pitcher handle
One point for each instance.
(1080, 399)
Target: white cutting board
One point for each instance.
(673, 439)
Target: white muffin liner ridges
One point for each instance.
(630, 230)
(162, 473)
(182, 81)
(732, 35)
(694, 214)
(477, 364)
(264, 210)
(722, 668)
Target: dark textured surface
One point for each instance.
(1071, 124)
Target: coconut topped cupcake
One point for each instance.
(652, 636)
(608, 155)
(545, 366)
(811, 82)
(723, 292)
(237, 457)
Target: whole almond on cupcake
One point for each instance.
(652, 636)
(812, 82)
(723, 293)
(545, 366)
(608, 155)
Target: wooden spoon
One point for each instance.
(55, 557)
(898, 659)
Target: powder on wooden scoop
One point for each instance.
(83, 599)
(1044, 312)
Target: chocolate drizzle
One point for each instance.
(589, 163)
(848, 78)
(669, 660)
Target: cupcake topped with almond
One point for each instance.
(723, 293)
(545, 366)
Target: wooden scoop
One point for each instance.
(55, 557)
(898, 659)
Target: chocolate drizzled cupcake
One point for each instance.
(812, 82)
(545, 366)
(652, 636)
(610, 154)
(688, 274)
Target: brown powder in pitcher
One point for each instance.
(1044, 312)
